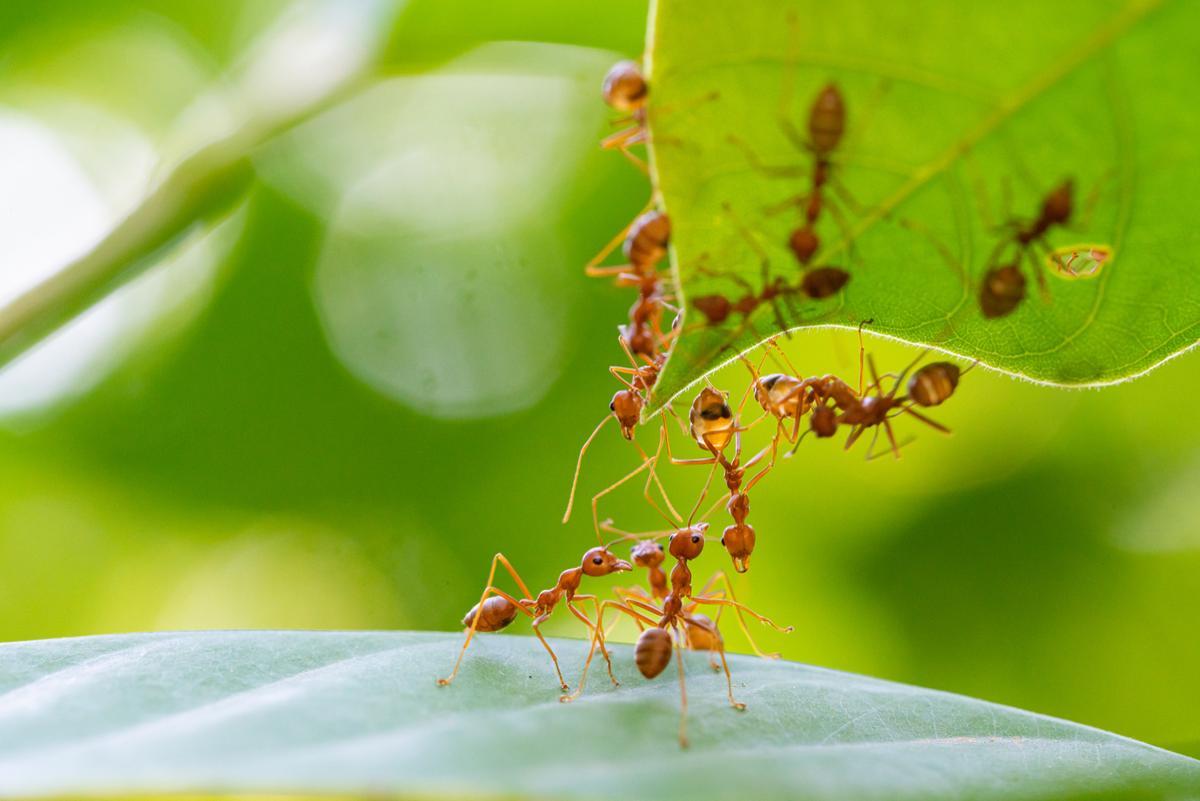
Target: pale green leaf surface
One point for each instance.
(951, 107)
(359, 712)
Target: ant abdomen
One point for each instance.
(1002, 291)
(646, 243)
(824, 282)
(497, 613)
(625, 87)
(933, 384)
(702, 633)
(827, 119)
(652, 652)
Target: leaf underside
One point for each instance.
(359, 712)
(960, 117)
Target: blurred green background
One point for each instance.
(333, 408)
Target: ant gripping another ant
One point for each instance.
(497, 609)
(676, 624)
(713, 425)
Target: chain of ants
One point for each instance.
(668, 614)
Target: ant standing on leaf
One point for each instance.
(497, 609)
(647, 552)
(676, 625)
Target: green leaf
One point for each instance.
(950, 107)
(360, 712)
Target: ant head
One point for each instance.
(687, 543)
(600, 562)
(625, 87)
(824, 421)
(626, 406)
(804, 244)
(715, 308)
(711, 419)
(647, 553)
(739, 541)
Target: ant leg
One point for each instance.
(591, 652)
(596, 498)
(927, 421)
(723, 578)
(536, 625)
(488, 590)
(675, 516)
(723, 499)
(940, 246)
(891, 435)
(597, 631)
(594, 264)
(737, 605)
(683, 741)
(1039, 274)
(719, 647)
(703, 493)
(705, 460)
(579, 466)
(771, 171)
(855, 433)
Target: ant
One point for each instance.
(935, 383)
(648, 553)
(497, 609)
(625, 89)
(826, 127)
(713, 425)
(1003, 285)
(652, 653)
(645, 244)
(626, 408)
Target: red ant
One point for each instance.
(497, 608)
(652, 653)
(648, 553)
(712, 425)
(1003, 285)
(826, 127)
(625, 90)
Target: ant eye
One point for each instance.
(660, 546)
(722, 539)
(695, 538)
(612, 407)
(597, 561)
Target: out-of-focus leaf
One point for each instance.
(951, 110)
(359, 712)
